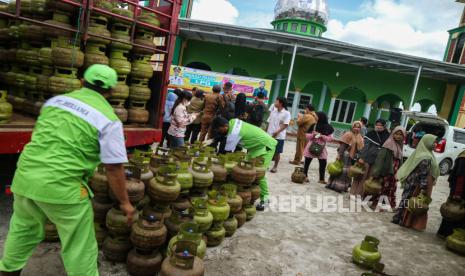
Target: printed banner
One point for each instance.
(188, 78)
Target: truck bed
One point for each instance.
(17, 133)
(18, 121)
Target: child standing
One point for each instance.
(323, 134)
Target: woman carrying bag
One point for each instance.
(418, 175)
(351, 144)
(316, 145)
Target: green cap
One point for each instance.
(101, 73)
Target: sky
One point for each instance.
(415, 27)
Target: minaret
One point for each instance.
(302, 17)
(455, 51)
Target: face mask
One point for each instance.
(379, 129)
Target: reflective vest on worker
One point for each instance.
(73, 133)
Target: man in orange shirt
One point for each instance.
(304, 122)
(213, 102)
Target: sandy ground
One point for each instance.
(300, 242)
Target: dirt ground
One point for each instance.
(300, 242)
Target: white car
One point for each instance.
(450, 143)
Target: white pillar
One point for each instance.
(291, 69)
(331, 108)
(415, 87)
(277, 87)
(367, 111)
(322, 97)
(295, 104)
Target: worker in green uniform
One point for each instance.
(73, 133)
(255, 140)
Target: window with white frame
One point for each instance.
(344, 111)
(290, 100)
(305, 100)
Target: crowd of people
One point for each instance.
(379, 153)
(232, 123)
(189, 115)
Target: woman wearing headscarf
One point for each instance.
(457, 190)
(351, 144)
(240, 107)
(322, 134)
(387, 164)
(374, 141)
(418, 175)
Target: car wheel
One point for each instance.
(445, 166)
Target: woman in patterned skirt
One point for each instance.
(418, 175)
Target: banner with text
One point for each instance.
(188, 78)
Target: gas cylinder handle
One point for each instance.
(199, 166)
(161, 149)
(246, 164)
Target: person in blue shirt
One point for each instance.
(261, 89)
(169, 103)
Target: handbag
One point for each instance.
(315, 149)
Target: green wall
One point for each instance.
(309, 74)
(312, 28)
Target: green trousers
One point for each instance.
(264, 193)
(75, 227)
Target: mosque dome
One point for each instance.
(311, 10)
(303, 17)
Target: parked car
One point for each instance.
(450, 143)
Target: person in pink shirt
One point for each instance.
(322, 135)
(180, 119)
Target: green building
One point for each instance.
(346, 81)
(455, 53)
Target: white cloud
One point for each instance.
(221, 11)
(407, 26)
(256, 20)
